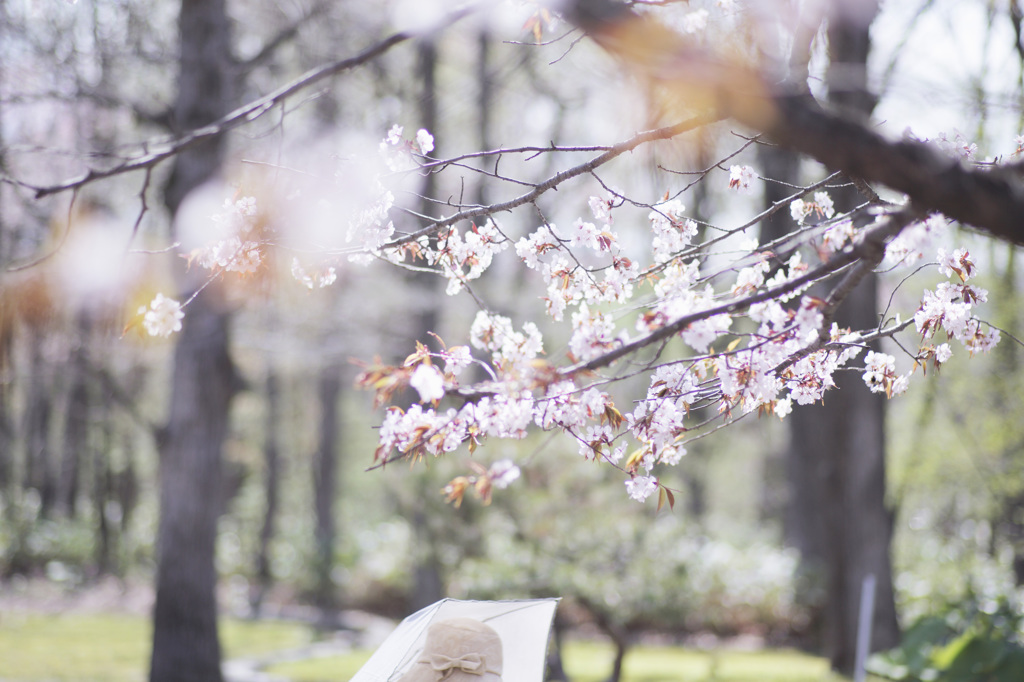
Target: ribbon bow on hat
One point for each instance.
(474, 664)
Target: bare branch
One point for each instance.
(557, 179)
(283, 36)
(241, 116)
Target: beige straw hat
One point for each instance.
(458, 650)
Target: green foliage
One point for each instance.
(976, 641)
(31, 544)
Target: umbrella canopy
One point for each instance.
(523, 626)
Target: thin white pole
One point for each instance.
(867, 610)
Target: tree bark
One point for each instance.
(428, 578)
(325, 487)
(185, 640)
(836, 514)
(271, 489)
(40, 474)
(76, 421)
(840, 444)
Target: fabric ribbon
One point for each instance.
(474, 664)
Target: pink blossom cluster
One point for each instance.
(747, 335)
(570, 283)
(787, 357)
(950, 305)
(240, 250)
(464, 257)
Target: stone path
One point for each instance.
(361, 630)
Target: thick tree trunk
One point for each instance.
(428, 578)
(325, 487)
(76, 421)
(840, 445)
(836, 513)
(271, 489)
(185, 641)
(866, 526)
(40, 472)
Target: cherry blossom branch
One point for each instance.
(866, 249)
(534, 152)
(873, 246)
(554, 181)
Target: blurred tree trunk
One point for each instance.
(860, 532)
(1004, 387)
(271, 488)
(618, 634)
(76, 419)
(325, 488)
(6, 312)
(102, 493)
(839, 518)
(836, 513)
(39, 467)
(185, 640)
(6, 422)
(428, 581)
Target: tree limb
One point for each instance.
(989, 200)
(555, 180)
(867, 249)
(245, 114)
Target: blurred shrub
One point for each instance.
(643, 574)
(976, 640)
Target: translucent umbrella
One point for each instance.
(523, 625)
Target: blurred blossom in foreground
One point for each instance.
(428, 382)
(503, 473)
(162, 317)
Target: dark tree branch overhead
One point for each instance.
(991, 200)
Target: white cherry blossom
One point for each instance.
(162, 317)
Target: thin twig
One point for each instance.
(557, 179)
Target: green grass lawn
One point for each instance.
(591, 662)
(115, 648)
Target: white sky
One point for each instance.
(951, 51)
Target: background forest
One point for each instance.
(92, 407)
